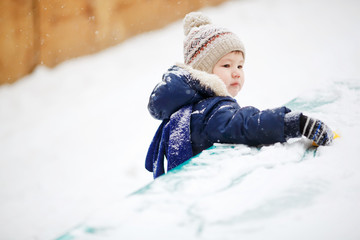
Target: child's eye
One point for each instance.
(226, 65)
(240, 67)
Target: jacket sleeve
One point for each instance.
(228, 123)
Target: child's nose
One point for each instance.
(235, 74)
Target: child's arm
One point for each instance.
(228, 123)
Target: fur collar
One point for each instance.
(207, 80)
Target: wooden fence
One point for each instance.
(34, 32)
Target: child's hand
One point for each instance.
(315, 130)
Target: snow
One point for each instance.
(73, 139)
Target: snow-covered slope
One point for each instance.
(281, 191)
(73, 139)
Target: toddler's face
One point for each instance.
(230, 69)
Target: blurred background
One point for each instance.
(47, 32)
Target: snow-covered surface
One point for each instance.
(73, 139)
(281, 191)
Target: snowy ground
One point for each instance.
(73, 139)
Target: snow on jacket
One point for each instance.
(216, 116)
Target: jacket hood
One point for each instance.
(182, 85)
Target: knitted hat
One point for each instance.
(205, 43)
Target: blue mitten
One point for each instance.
(315, 130)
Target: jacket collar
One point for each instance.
(207, 80)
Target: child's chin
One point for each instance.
(234, 94)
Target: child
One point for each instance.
(196, 105)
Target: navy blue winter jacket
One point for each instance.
(216, 116)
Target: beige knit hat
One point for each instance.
(205, 44)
